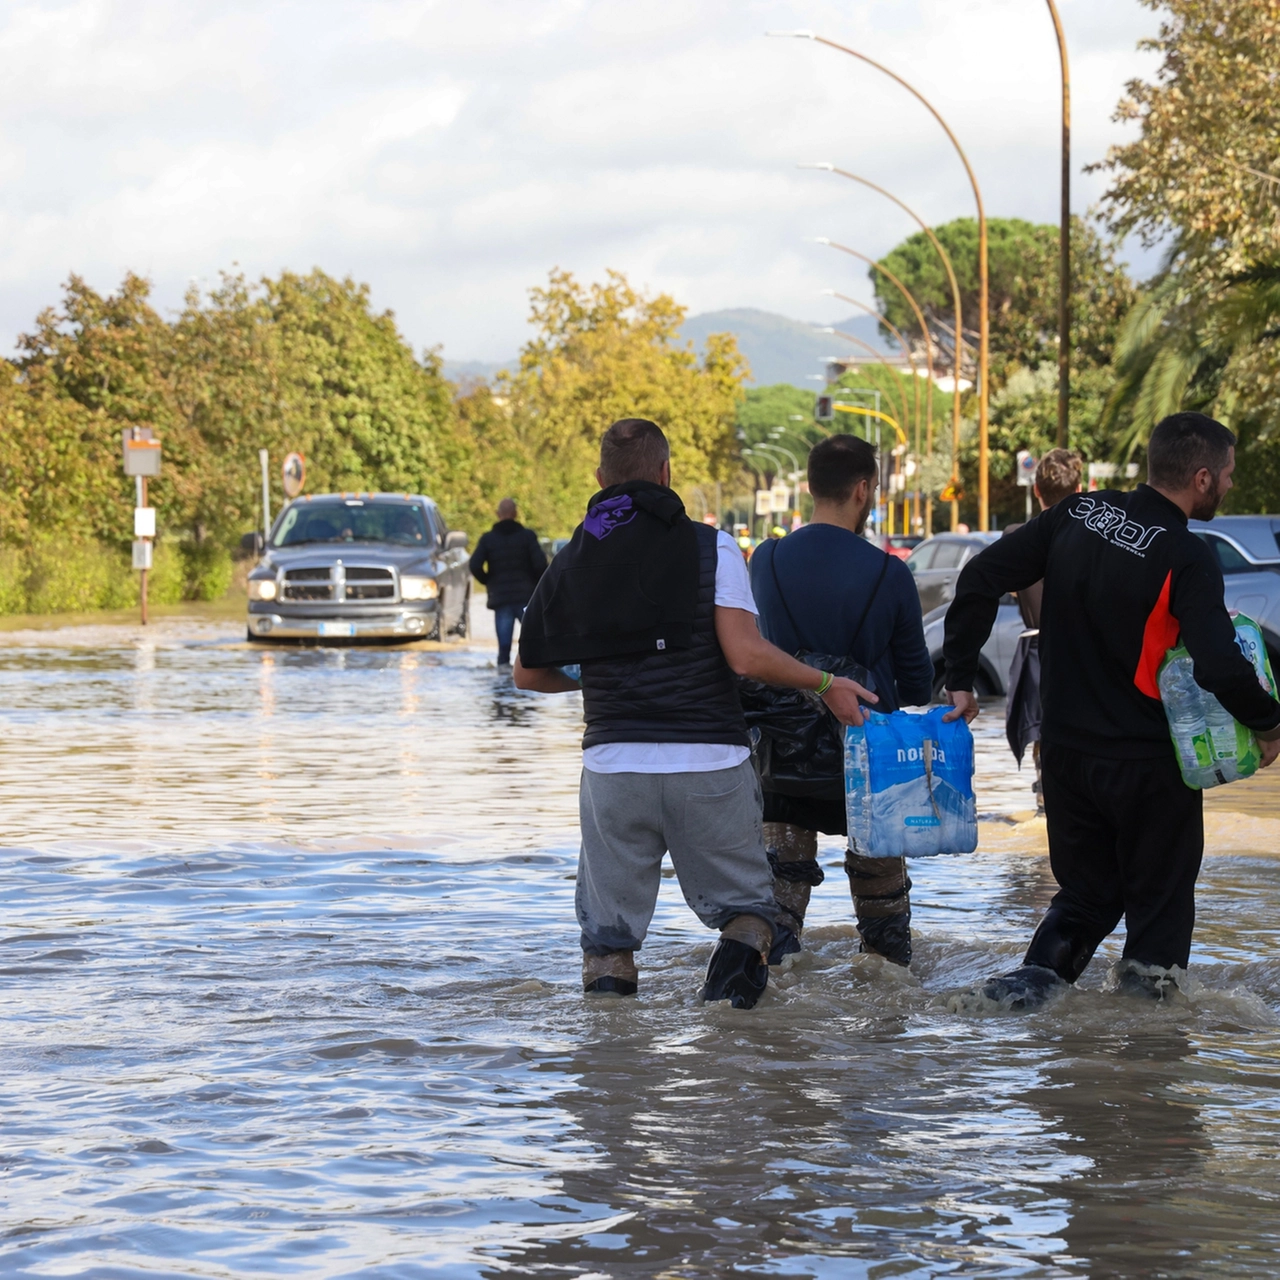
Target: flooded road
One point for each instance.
(289, 986)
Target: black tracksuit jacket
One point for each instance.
(1124, 579)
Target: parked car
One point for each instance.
(896, 544)
(369, 566)
(1248, 552)
(935, 564)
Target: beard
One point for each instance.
(865, 515)
(1208, 506)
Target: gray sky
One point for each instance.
(451, 152)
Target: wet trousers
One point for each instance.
(505, 617)
(1125, 839)
(710, 824)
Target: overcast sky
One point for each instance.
(451, 152)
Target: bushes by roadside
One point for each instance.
(58, 575)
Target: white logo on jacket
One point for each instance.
(1113, 523)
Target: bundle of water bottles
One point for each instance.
(1212, 747)
(908, 784)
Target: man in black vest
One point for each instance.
(658, 611)
(508, 562)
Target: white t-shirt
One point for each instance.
(733, 591)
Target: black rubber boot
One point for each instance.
(610, 975)
(793, 859)
(1061, 944)
(882, 904)
(739, 968)
(736, 973)
(1146, 982)
(1030, 987)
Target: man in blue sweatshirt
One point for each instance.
(825, 589)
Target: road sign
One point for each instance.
(293, 474)
(141, 452)
(144, 522)
(1026, 468)
(142, 554)
(952, 493)
(780, 498)
(764, 502)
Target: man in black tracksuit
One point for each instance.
(1124, 579)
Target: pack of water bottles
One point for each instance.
(1212, 746)
(908, 785)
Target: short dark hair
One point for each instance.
(837, 464)
(1058, 474)
(1184, 443)
(632, 449)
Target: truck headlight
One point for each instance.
(413, 588)
(262, 588)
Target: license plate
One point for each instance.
(337, 629)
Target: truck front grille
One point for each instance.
(307, 584)
(366, 582)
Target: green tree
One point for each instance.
(602, 352)
(1203, 176)
(1022, 262)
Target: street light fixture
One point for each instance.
(983, 324)
(1064, 239)
(915, 383)
(928, 352)
(958, 329)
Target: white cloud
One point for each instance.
(451, 152)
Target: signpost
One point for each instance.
(142, 461)
(293, 475)
(1026, 469)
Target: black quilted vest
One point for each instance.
(682, 695)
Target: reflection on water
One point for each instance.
(288, 985)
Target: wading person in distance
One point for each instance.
(508, 562)
(1124, 578)
(658, 611)
(1057, 477)
(826, 590)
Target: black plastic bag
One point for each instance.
(797, 745)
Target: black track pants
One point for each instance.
(1125, 839)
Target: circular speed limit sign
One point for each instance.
(294, 474)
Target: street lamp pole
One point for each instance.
(928, 353)
(900, 394)
(958, 329)
(983, 325)
(915, 379)
(1064, 240)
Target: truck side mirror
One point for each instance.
(455, 540)
(252, 544)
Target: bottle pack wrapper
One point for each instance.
(908, 785)
(1212, 747)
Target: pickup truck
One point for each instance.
(344, 567)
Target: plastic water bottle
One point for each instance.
(1184, 705)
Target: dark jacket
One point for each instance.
(1123, 578)
(678, 695)
(824, 579)
(627, 583)
(508, 561)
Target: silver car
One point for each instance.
(350, 567)
(935, 565)
(1248, 552)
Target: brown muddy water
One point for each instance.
(289, 987)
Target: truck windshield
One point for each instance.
(353, 520)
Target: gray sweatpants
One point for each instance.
(710, 823)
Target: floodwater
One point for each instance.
(289, 987)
